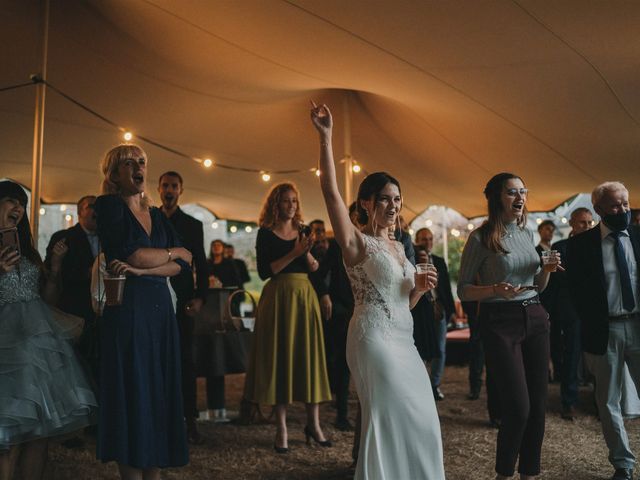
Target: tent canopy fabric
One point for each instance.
(440, 94)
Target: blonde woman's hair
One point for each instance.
(270, 213)
(112, 161)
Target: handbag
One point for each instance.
(224, 349)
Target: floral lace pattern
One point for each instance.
(375, 280)
(21, 284)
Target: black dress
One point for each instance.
(141, 415)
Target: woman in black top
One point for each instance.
(222, 268)
(288, 359)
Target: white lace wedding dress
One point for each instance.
(400, 427)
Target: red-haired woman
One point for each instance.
(288, 359)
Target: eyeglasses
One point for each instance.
(512, 192)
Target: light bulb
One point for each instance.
(68, 217)
(266, 177)
(538, 221)
(248, 229)
(42, 211)
(207, 162)
(356, 168)
(127, 136)
(470, 226)
(214, 225)
(317, 172)
(233, 229)
(63, 207)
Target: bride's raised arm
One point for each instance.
(346, 234)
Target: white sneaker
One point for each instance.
(220, 415)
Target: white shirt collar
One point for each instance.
(605, 231)
(89, 234)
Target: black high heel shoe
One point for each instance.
(310, 434)
(280, 450)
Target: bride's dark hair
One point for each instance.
(371, 187)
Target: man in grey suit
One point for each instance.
(602, 269)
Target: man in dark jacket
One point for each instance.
(561, 310)
(443, 307)
(336, 304)
(75, 276)
(75, 284)
(602, 268)
(190, 297)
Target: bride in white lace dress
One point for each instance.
(400, 437)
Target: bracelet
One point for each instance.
(169, 252)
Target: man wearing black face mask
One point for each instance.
(602, 269)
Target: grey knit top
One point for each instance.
(480, 266)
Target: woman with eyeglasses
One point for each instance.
(500, 269)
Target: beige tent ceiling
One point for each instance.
(442, 94)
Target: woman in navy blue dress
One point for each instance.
(141, 418)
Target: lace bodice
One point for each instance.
(381, 284)
(21, 284)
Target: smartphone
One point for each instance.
(9, 238)
(304, 230)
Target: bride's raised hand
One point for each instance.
(322, 119)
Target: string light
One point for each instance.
(455, 232)
(128, 136)
(538, 221)
(233, 229)
(207, 162)
(563, 219)
(428, 223)
(42, 211)
(317, 172)
(68, 217)
(63, 207)
(470, 226)
(214, 225)
(248, 229)
(356, 168)
(411, 232)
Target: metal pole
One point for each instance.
(348, 160)
(445, 236)
(38, 130)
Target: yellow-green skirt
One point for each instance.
(287, 361)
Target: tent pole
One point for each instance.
(445, 237)
(348, 160)
(38, 130)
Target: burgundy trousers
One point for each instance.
(516, 345)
